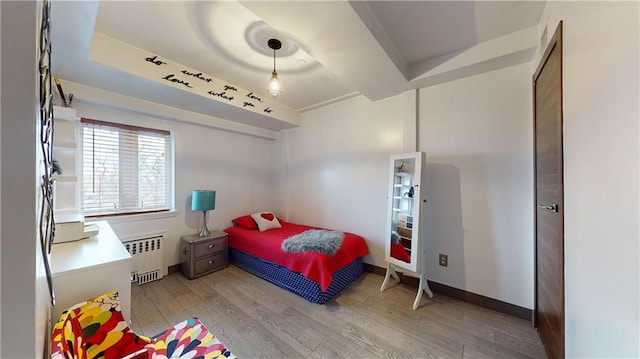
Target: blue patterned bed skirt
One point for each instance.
(295, 282)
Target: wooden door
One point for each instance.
(549, 213)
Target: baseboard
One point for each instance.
(497, 305)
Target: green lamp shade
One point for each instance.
(203, 200)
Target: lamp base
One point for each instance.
(204, 231)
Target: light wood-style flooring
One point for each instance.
(257, 319)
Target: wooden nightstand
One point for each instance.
(203, 255)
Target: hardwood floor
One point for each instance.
(257, 319)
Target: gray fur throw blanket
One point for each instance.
(314, 240)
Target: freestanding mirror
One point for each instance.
(404, 247)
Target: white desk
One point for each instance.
(91, 267)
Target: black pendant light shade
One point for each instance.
(274, 88)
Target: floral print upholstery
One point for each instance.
(189, 339)
(96, 329)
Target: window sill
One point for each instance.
(136, 217)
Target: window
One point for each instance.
(125, 169)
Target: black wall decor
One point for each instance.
(47, 223)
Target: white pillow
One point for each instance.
(266, 221)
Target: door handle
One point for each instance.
(551, 207)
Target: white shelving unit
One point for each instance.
(401, 202)
(402, 208)
(66, 150)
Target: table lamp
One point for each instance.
(203, 201)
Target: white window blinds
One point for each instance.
(126, 169)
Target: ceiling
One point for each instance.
(331, 49)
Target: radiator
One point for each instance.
(147, 257)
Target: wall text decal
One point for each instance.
(154, 60)
(222, 94)
(254, 97)
(180, 76)
(197, 75)
(216, 98)
(200, 76)
(172, 78)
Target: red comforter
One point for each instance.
(316, 266)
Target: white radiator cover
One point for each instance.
(147, 253)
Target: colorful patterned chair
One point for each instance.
(96, 329)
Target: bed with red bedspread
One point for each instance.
(315, 276)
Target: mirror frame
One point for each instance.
(416, 242)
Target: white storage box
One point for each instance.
(71, 227)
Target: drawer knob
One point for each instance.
(211, 246)
(210, 262)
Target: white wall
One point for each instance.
(601, 149)
(334, 170)
(477, 134)
(24, 290)
(238, 167)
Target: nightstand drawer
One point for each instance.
(208, 247)
(210, 264)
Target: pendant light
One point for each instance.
(274, 88)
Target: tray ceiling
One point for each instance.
(331, 49)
